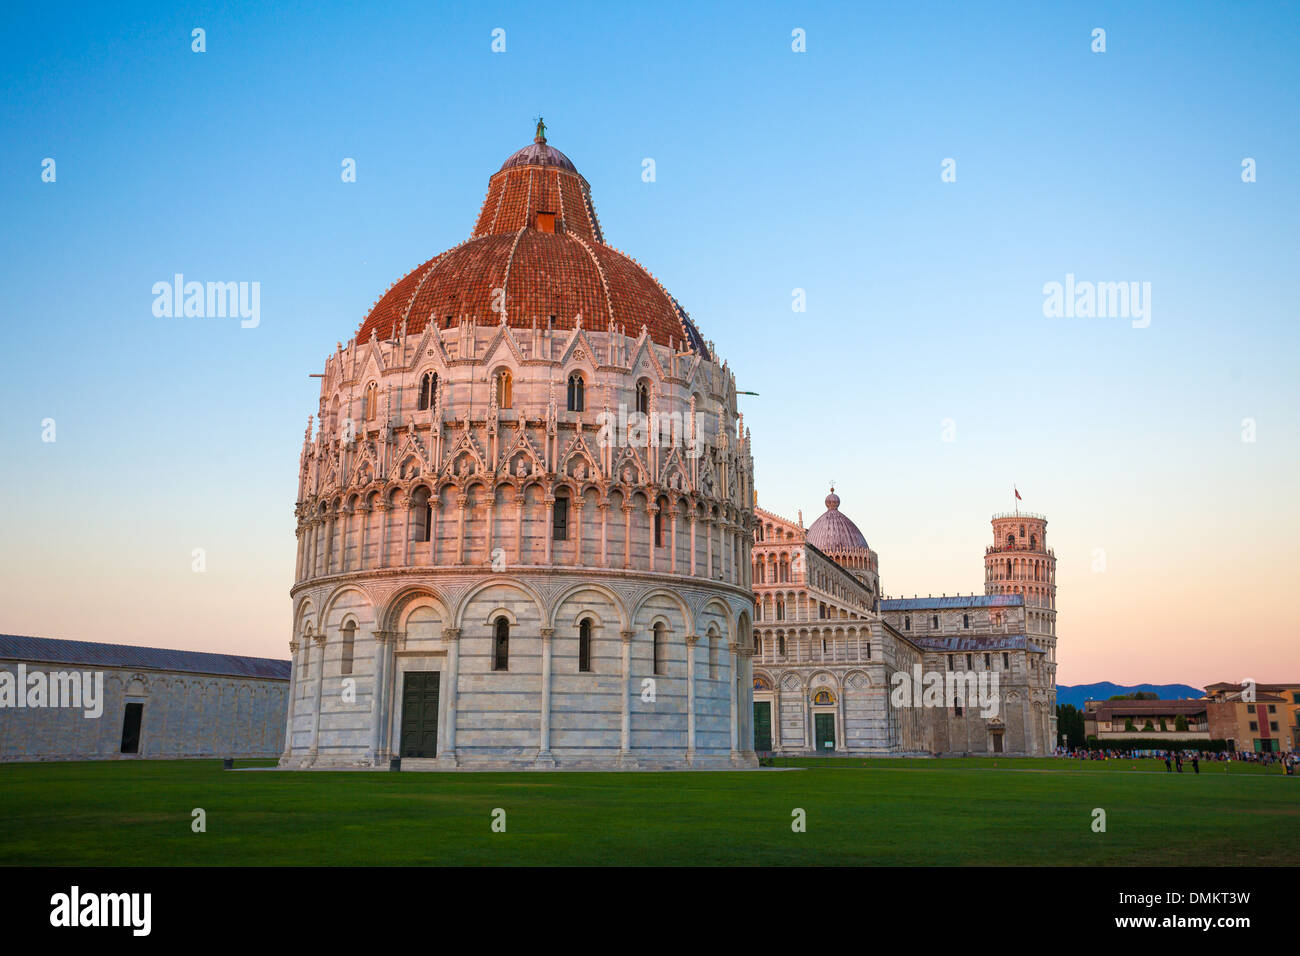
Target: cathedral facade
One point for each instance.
(524, 515)
(839, 668)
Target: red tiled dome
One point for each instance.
(537, 237)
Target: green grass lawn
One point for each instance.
(888, 812)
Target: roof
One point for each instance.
(48, 650)
(956, 601)
(833, 532)
(995, 642)
(552, 269)
(1142, 708)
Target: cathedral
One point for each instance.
(525, 514)
(838, 666)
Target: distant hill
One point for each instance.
(1076, 694)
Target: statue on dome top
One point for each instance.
(541, 131)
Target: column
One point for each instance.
(293, 689)
(382, 507)
(319, 640)
(776, 710)
(544, 756)
(735, 712)
(746, 715)
(491, 509)
(451, 639)
(651, 510)
(627, 535)
(692, 520)
(378, 696)
(708, 551)
(519, 527)
(625, 727)
(603, 505)
(548, 529)
(672, 558)
(461, 500)
(365, 537)
(691, 641)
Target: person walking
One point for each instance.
(1168, 767)
(1178, 759)
(1196, 764)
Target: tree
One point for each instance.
(1180, 724)
(1148, 726)
(1069, 725)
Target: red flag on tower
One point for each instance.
(1017, 491)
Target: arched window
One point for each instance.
(505, 389)
(965, 620)
(907, 623)
(780, 609)
(370, 402)
(780, 644)
(584, 645)
(422, 514)
(1008, 568)
(577, 402)
(935, 621)
(501, 645)
(758, 572)
(1022, 531)
(643, 398)
(560, 518)
(1033, 542)
(349, 642)
(661, 648)
(428, 389)
(713, 655)
(1011, 541)
(659, 529)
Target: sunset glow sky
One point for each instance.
(775, 171)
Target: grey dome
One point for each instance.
(833, 531)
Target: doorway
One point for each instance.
(824, 727)
(131, 728)
(762, 725)
(420, 713)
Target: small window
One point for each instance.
(501, 645)
(986, 662)
(907, 623)
(349, 643)
(560, 519)
(643, 398)
(659, 530)
(956, 706)
(968, 662)
(780, 644)
(965, 620)
(546, 222)
(713, 655)
(577, 400)
(660, 649)
(1006, 661)
(584, 646)
(935, 621)
(370, 402)
(505, 389)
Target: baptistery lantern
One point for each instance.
(524, 516)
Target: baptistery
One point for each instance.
(525, 511)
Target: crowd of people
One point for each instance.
(1174, 760)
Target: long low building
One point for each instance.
(80, 700)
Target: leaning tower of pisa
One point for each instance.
(1020, 562)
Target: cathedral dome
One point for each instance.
(833, 531)
(538, 239)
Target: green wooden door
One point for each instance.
(824, 724)
(420, 714)
(762, 725)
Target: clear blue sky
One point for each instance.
(775, 171)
